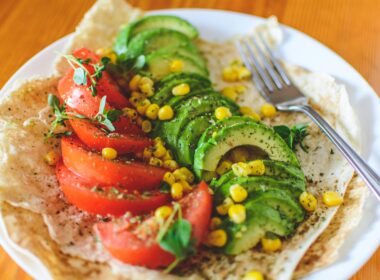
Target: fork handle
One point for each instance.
(362, 168)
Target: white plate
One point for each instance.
(300, 49)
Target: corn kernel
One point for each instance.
(159, 150)
(308, 201)
(189, 175)
(147, 153)
(222, 113)
(51, 158)
(163, 212)
(240, 88)
(238, 193)
(171, 164)
(230, 92)
(146, 126)
(243, 73)
(215, 222)
(176, 65)
(146, 86)
(152, 111)
(216, 238)
(134, 82)
(186, 186)
(139, 95)
(223, 167)
(181, 89)
(271, 245)
(155, 161)
(257, 167)
(241, 169)
(142, 106)
(268, 110)
(331, 199)
(107, 52)
(230, 74)
(168, 155)
(239, 154)
(254, 116)
(223, 208)
(165, 113)
(237, 213)
(169, 178)
(245, 110)
(179, 175)
(109, 153)
(158, 140)
(134, 100)
(176, 191)
(130, 113)
(253, 275)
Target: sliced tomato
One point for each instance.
(99, 171)
(126, 245)
(106, 202)
(97, 139)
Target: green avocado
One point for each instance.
(186, 52)
(261, 218)
(182, 76)
(208, 154)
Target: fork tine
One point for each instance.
(263, 75)
(272, 73)
(274, 61)
(256, 79)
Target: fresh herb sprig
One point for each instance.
(294, 135)
(102, 118)
(81, 73)
(176, 237)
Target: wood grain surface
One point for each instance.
(349, 27)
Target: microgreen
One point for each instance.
(294, 135)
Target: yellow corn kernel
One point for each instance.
(240, 88)
(223, 208)
(152, 111)
(134, 82)
(176, 65)
(186, 186)
(238, 193)
(230, 74)
(271, 245)
(222, 113)
(216, 238)
(241, 169)
(107, 52)
(179, 175)
(253, 275)
(257, 167)
(215, 222)
(159, 150)
(155, 161)
(268, 110)
(230, 92)
(158, 140)
(147, 153)
(163, 212)
(168, 155)
(254, 116)
(171, 164)
(140, 96)
(245, 110)
(176, 190)
(243, 73)
(51, 158)
(130, 113)
(109, 153)
(189, 175)
(134, 101)
(237, 213)
(146, 126)
(239, 154)
(223, 167)
(146, 86)
(331, 199)
(142, 106)
(169, 178)
(181, 89)
(165, 113)
(308, 201)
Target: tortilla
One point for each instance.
(38, 219)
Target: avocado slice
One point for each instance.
(186, 52)
(151, 40)
(158, 64)
(182, 76)
(261, 218)
(276, 169)
(188, 110)
(188, 140)
(165, 93)
(208, 154)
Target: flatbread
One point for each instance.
(37, 217)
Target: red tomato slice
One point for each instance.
(100, 171)
(97, 139)
(78, 192)
(125, 245)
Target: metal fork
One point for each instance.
(275, 86)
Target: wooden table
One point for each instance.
(349, 27)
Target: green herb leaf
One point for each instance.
(102, 105)
(139, 63)
(80, 77)
(294, 135)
